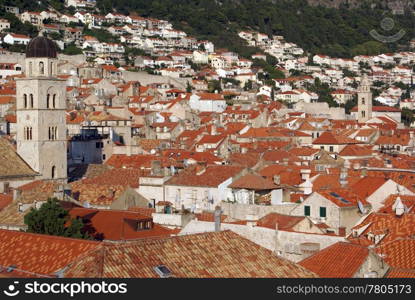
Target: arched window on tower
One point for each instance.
(25, 100)
(53, 173)
(51, 69)
(53, 133)
(31, 100)
(47, 101)
(27, 133)
(363, 113)
(54, 101)
(41, 68)
(363, 101)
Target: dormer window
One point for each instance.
(144, 225)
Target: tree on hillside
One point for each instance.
(53, 219)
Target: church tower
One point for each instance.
(364, 101)
(40, 110)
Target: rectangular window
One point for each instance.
(307, 211)
(331, 149)
(323, 212)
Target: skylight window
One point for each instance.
(339, 197)
(163, 271)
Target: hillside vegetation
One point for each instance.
(342, 32)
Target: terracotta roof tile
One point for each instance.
(206, 255)
(117, 225)
(212, 176)
(340, 260)
(11, 164)
(253, 182)
(42, 254)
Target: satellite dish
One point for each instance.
(361, 207)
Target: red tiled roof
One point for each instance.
(355, 150)
(212, 176)
(329, 138)
(38, 253)
(116, 224)
(210, 96)
(391, 226)
(399, 253)
(342, 197)
(133, 161)
(7, 99)
(285, 222)
(340, 260)
(120, 176)
(401, 273)
(211, 139)
(207, 255)
(253, 182)
(367, 186)
(11, 118)
(407, 200)
(380, 109)
(5, 200)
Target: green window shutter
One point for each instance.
(306, 210)
(323, 212)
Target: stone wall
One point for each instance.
(240, 211)
(284, 243)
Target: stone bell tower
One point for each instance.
(40, 110)
(364, 101)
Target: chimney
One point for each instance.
(213, 130)
(111, 193)
(342, 231)
(156, 168)
(3, 188)
(305, 174)
(307, 187)
(251, 220)
(217, 216)
(399, 207)
(16, 194)
(347, 164)
(277, 179)
(200, 169)
(343, 177)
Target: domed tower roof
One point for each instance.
(41, 46)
